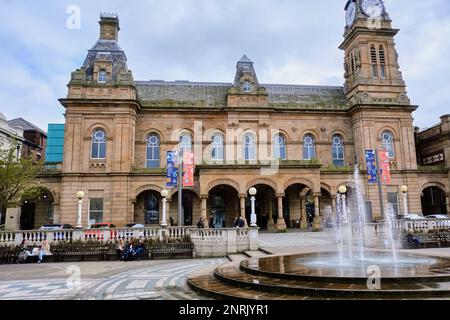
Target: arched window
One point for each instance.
(247, 87)
(217, 148)
(98, 146)
(309, 147)
(153, 151)
(279, 147)
(387, 139)
(373, 59)
(102, 76)
(249, 147)
(338, 151)
(185, 143)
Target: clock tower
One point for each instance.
(380, 110)
(372, 71)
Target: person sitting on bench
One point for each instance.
(410, 238)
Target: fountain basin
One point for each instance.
(327, 267)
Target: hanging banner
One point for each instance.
(385, 168)
(371, 165)
(171, 173)
(188, 169)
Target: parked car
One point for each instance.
(413, 216)
(437, 216)
(134, 225)
(56, 226)
(102, 225)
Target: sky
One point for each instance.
(290, 42)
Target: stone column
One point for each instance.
(271, 225)
(168, 211)
(204, 199)
(242, 198)
(317, 217)
(281, 224)
(303, 223)
(333, 205)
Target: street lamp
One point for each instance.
(80, 196)
(404, 191)
(252, 193)
(164, 194)
(343, 191)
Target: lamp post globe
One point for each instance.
(342, 189)
(404, 189)
(252, 191)
(80, 195)
(164, 193)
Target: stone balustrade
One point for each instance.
(207, 242)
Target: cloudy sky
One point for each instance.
(290, 41)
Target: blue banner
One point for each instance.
(172, 177)
(371, 166)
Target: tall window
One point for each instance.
(247, 86)
(185, 143)
(153, 151)
(249, 147)
(279, 147)
(373, 57)
(102, 77)
(98, 147)
(338, 151)
(217, 150)
(387, 139)
(309, 147)
(95, 210)
(382, 62)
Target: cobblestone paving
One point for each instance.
(165, 281)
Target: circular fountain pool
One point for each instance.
(329, 267)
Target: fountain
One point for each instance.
(345, 273)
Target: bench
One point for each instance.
(172, 251)
(429, 240)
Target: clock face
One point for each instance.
(372, 8)
(351, 14)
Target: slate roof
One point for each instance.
(216, 94)
(106, 50)
(27, 126)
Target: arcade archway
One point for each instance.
(223, 202)
(433, 201)
(37, 210)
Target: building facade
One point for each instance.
(35, 139)
(295, 144)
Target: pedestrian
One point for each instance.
(201, 224)
(120, 249)
(44, 250)
(241, 222)
(236, 222)
(172, 223)
(139, 249)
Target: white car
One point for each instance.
(438, 216)
(413, 216)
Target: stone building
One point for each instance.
(35, 139)
(433, 156)
(295, 143)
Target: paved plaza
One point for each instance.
(145, 280)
